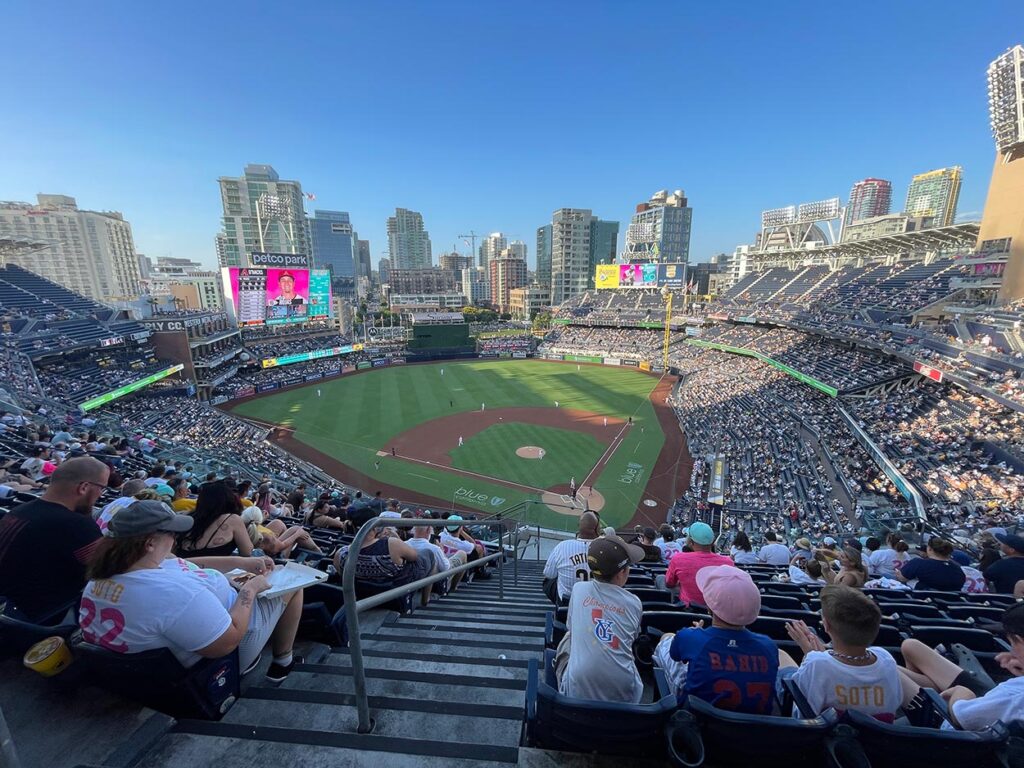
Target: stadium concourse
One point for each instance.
(813, 470)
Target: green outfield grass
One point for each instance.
(357, 415)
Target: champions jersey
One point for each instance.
(732, 669)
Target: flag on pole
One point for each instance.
(310, 196)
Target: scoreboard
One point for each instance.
(269, 296)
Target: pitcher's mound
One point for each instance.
(559, 499)
(529, 451)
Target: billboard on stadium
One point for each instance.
(269, 296)
(652, 275)
(607, 276)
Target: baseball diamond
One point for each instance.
(611, 431)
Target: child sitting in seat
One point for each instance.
(725, 664)
(851, 674)
(603, 623)
(973, 705)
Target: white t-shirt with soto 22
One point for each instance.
(178, 606)
(568, 563)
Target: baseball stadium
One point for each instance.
(616, 508)
(550, 438)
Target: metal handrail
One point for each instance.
(353, 606)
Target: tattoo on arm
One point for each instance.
(245, 597)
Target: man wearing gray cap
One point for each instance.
(140, 597)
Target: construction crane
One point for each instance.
(470, 240)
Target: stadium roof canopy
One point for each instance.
(435, 318)
(940, 239)
(13, 245)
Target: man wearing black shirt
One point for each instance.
(46, 544)
(296, 497)
(1004, 574)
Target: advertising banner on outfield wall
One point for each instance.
(489, 353)
(519, 355)
(398, 361)
(361, 366)
(293, 380)
(631, 363)
(612, 361)
(314, 376)
(218, 399)
(243, 392)
(380, 362)
(267, 387)
(644, 365)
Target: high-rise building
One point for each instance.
(544, 256)
(333, 247)
(868, 198)
(518, 248)
(491, 247)
(578, 242)
(1002, 224)
(455, 262)
(604, 242)
(408, 241)
(507, 273)
(935, 195)
(660, 229)
(261, 213)
(476, 285)
(363, 265)
(89, 252)
(430, 280)
(384, 270)
(528, 301)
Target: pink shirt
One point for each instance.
(682, 570)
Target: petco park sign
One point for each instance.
(280, 260)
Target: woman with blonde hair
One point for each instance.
(275, 538)
(852, 572)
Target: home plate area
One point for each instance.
(559, 499)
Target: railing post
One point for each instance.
(355, 643)
(501, 560)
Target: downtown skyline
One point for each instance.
(722, 126)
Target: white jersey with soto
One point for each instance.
(873, 690)
(568, 563)
(1004, 702)
(603, 623)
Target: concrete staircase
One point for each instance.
(446, 687)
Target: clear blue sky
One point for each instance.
(488, 116)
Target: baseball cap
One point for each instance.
(961, 558)
(729, 593)
(701, 533)
(803, 543)
(1011, 540)
(828, 541)
(147, 516)
(610, 554)
(162, 489)
(454, 528)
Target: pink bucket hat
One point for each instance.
(730, 594)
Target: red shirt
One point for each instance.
(682, 570)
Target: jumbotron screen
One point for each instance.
(266, 296)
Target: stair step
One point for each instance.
(466, 626)
(426, 662)
(448, 647)
(426, 686)
(487, 608)
(398, 716)
(474, 638)
(195, 744)
(441, 614)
